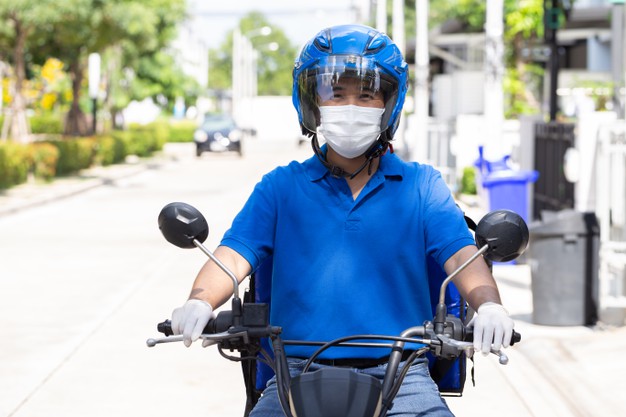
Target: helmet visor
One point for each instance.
(345, 79)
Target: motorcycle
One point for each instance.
(501, 236)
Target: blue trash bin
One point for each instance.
(483, 167)
(508, 189)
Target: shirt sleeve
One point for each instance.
(253, 229)
(445, 228)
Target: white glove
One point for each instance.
(491, 325)
(190, 319)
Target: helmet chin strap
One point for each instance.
(378, 148)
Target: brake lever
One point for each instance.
(168, 339)
(468, 348)
(213, 338)
(503, 359)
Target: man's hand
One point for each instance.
(492, 325)
(190, 319)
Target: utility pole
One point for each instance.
(551, 15)
(397, 21)
(553, 10)
(494, 71)
(617, 55)
(94, 87)
(381, 15)
(420, 142)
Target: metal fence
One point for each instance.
(552, 191)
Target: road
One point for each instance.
(84, 280)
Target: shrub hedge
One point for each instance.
(62, 155)
(14, 164)
(46, 123)
(44, 158)
(182, 131)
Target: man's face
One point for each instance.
(353, 91)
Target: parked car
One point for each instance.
(218, 133)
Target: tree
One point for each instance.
(134, 28)
(523, 26)
(135, 69)
(274, 66)
(23, 20)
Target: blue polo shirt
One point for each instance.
(343, 266)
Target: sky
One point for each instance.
(299, 19)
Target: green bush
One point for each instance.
(46, 123)
(74, 154)
(111, 150)
(14, 164)
(105, 150)
(125, 138)
(162, 132)
(144, 140)
(44, 157)
(468, 181)
(182, 131)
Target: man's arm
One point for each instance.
(492, 325)
(212, 285)
(212, 288)
(475, 282)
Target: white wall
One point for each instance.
(274, 117)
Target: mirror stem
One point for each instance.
(442, 311)
(223, 267)
(444, 285)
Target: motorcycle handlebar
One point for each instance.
(223, 321)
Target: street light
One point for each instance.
(94, 85)
(244, 67)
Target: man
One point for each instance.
(351, 230)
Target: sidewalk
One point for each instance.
(563, 371)
(554, 371)
(35, 193)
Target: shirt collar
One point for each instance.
(390, 166)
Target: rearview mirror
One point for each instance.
(506, 234)
(181, 224)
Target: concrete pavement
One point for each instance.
(556, 371)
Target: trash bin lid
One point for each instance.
(571, 222)
(509, 176)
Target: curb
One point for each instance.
(35, 194)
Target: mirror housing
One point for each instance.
(181, 224)
(505, 233)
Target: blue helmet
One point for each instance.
(349, 51)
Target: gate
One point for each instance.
(552, 191)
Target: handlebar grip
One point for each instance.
(165, 328)
(219, 324)
(516, 337)
(469, 336)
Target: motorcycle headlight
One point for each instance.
(235, 135)
(200, 136)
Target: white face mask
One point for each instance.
(350, 130)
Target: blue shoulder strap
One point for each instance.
(263, 294)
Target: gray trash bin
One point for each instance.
(563, 256)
